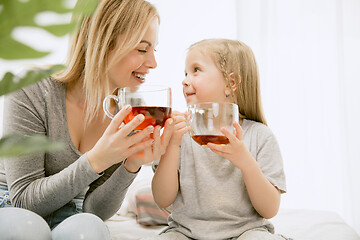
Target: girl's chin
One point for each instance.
(190, 103)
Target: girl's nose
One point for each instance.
(186, 82)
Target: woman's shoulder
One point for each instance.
(40, 90)
(46, 86)
(40, 97)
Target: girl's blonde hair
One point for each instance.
(232, 56)
(96, 38)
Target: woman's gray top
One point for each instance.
(44, 183)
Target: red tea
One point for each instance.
(153, 116)
(205, 139)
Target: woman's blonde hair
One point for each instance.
(232, 56)
(96, 38)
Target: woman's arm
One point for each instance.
(45, 182)
(42, 183)
(106, 194)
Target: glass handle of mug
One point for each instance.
(188, 121)
(106, 103)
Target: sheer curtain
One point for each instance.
(309, 58)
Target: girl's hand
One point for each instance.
(115, 145)
(235, 150)
(180, 128)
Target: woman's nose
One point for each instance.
(151, 61)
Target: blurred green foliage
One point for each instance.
(22, 13)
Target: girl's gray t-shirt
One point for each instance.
(212, 202)
(44, 183)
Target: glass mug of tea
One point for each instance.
(153, 101)
(205, 121)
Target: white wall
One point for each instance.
(308, 54)
(184, 22)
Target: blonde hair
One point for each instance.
(96, 38)
(232, 56)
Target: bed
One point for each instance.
(134, 221)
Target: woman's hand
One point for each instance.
(154, 151)
(115, 145)
(235, 149)
(174, 128)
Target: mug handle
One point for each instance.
(188, 119)
(106, 104)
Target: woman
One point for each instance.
(113, 48)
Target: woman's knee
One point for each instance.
(81, 226)
(19, 223)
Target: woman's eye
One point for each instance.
(196, 69)
(142, 50)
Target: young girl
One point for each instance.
(223, 191)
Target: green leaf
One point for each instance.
(11, 49)
(59, 30)
(18, 145)
(86, 7)
(11, 83)
(15, 13)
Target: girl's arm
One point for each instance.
(165, 183)
(264, 196)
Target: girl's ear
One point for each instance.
(233, 83)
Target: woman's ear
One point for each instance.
(233, 83)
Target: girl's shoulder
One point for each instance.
(256, 129)
(259, 136)
(251, 125)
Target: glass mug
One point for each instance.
(206, 119)
(153, 101)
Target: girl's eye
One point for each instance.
(196, 69)
(142, 50)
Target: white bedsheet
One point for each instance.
(299, 224)
(295, 223)
(126, 228)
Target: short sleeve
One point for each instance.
(270, 159)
